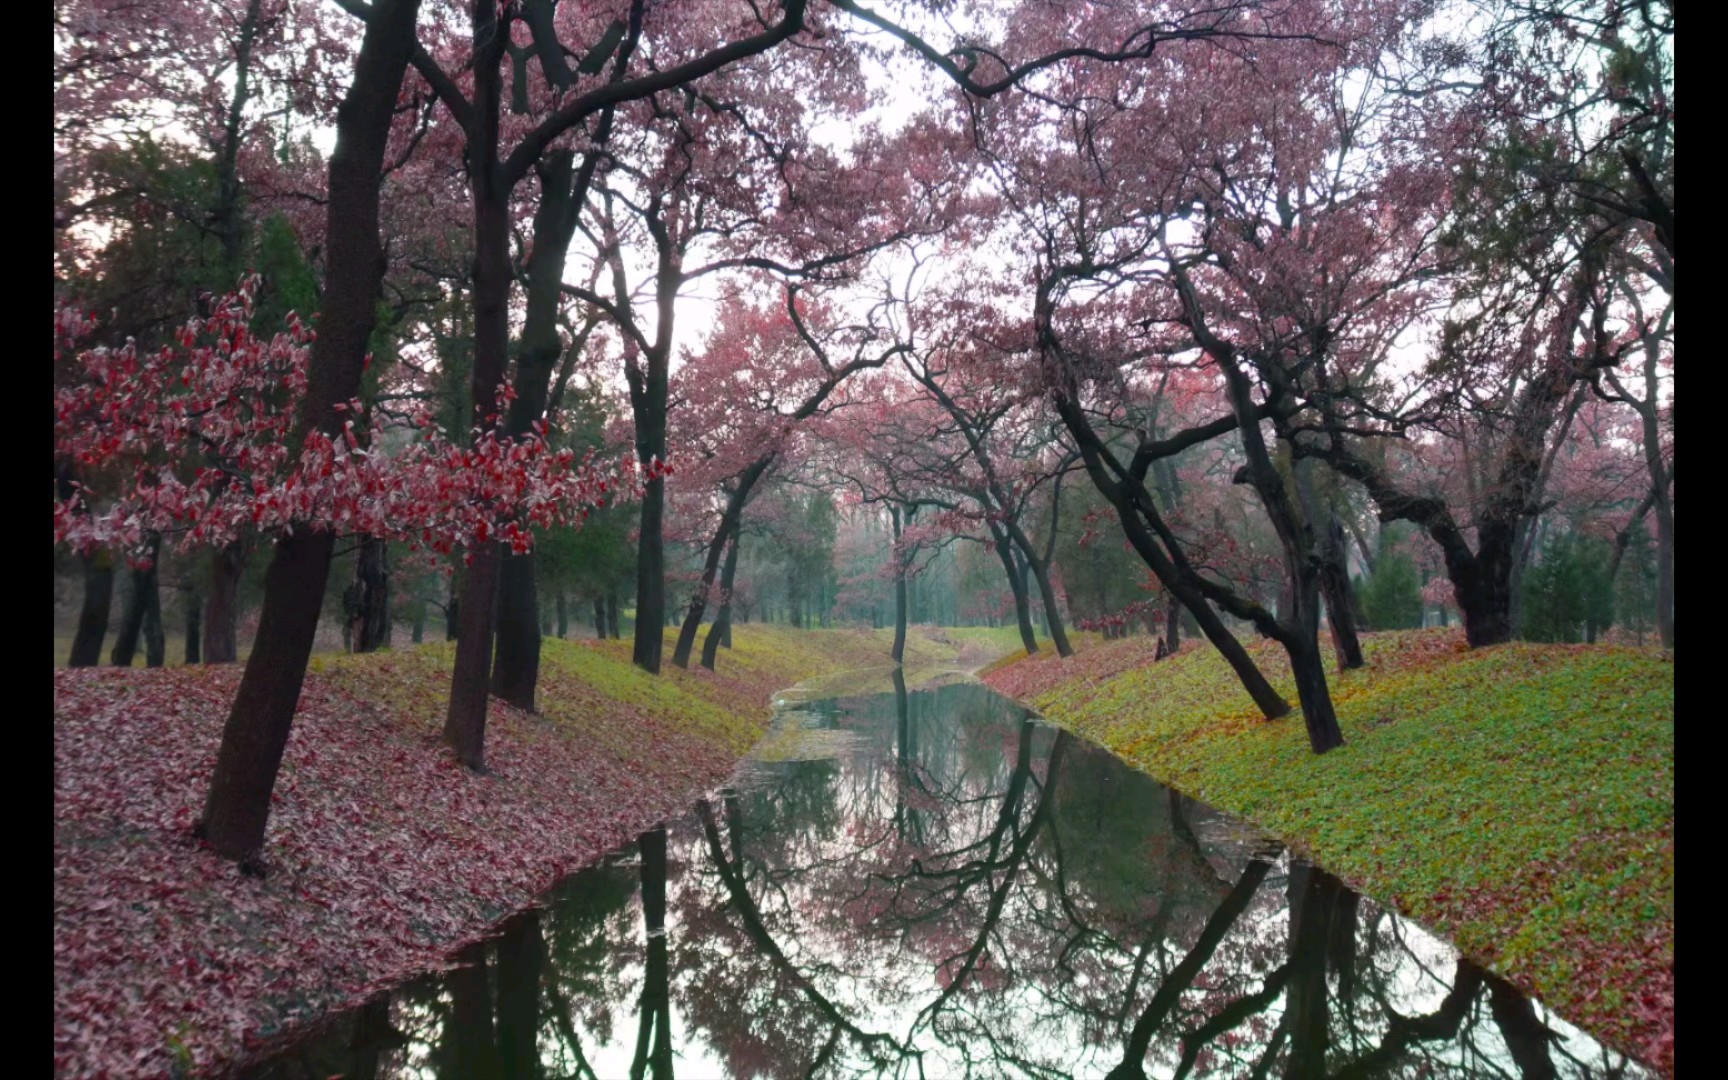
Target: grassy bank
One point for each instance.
(384, 855)
(1518, 798)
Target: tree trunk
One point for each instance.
(650, 574)
(194, 632)
(1172, 626)
(721, 632)
(1136, 514)
(93, 614)
(372, 578)
(723, 541)
(222, 605)
(1047, 594)
(1017, 585)
(465, 723)
(155, 640)
(516, 661)
(140, 596)
(562, 605)
(898, 652)
(238, 803)
(612, 616)
(419, 632)
(1340, 605)
(1309, 669)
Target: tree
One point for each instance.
(238, 803)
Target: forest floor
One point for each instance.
(384, 855)
(1519, 798)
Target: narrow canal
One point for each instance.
(933, 883)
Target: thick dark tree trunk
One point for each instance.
(516, 662)
(93, 613)
(238, 804)
(1340, 605)
(372, 579)
(465, 723)
(194, 631)
(1309, 669)
(141, 599)
(898, 652)
(1483, 590)
(453, 617)
(222, 605)
(650, 571)
(721, 632)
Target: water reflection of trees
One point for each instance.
(965, 892)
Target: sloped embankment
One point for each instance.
(384, 854)
(1519, 798)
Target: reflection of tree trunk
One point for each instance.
(1440, 1024)
(1526, 1036)
(1313, 901)
(1230, 1017)
(1179, 979)
(373, 1035)
(468, 1042)
(93, 615)
(521, 955)
(654, 1033)
(758, 933)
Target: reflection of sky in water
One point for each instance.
(928, 884)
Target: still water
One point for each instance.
(933, 883)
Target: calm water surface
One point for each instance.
(936, 884)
